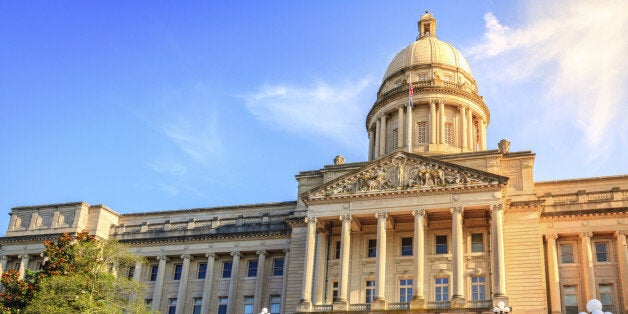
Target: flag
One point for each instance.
(410, 91)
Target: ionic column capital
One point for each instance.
(261, 252)
(186, 256)
(381, 215)
(211, 255)
(497, 207)
(586, 234)
(457, 210)
(162, 257)
(419, 213)
(551, 236)
(286, 251)
(432, 101)
(311, 220)
(620, 233)
(346, 218)
(236, 253)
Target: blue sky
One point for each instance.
(157, 105)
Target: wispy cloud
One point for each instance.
(334, 111)
(578, 50)
(196, 136)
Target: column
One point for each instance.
(400, 127)
(587, 266)
(24, 258)
(497, 223)
(380, 263)
(463, 125)
(207, 285)
(622, 263)
(418, 250)
(345, 251)
(137, 272)
(470, 140)
(554, 278)
(306, 297)
(371, 144)
(320, 278)
(3, 264)
(233, 282)
(259, 281)
(382, 136)
(183, 283)
(284, 279)
(482, 130)
(441, 121)
(432, 121)
(409, 129)
(378, 138)
(458, 254)
(159, 283)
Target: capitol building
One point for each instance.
(433, 221)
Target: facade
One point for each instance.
(432, 222)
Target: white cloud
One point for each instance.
(334, 111)
(578, 50)
(196, 136)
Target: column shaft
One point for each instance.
(622, 262)
(159, 283)
(553, 276)
(371, 144)
(498, 251)
(345, 251)
(380, 263)
(400, 127)
(207, 285)
(470, 139)
(382, 141)
(259, 281)
(483, 134)
(458, 253)
(3, 264)
(183, 283)
(587, 265)
(24, 258)
(378, 138)
(433, 122)
(418, 250)
(441, 122)
(321, 258)
(306, 297)
(463, 126)
(284, 280)
(409, 129)
(233, 282)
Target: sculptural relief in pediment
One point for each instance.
(402, 173)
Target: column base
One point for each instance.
(304, 306)
(417, 303)
(378, 305)
(340, 306)
(458, 302)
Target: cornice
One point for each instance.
(202, 237)
(585, 214)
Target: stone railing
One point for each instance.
(360, 307)
(322, 308)
(438, 305)
(399, 306)
(600, 196)
(583, 197)
(564, 199)
(474, 304)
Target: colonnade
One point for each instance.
(24, 260)
(418, 299)
(436, 129)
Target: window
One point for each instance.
(566, 254)
(198, 303)
(441, 291)
(252, 269)
(395, 139)
(275, 304)
(441, 244)
(177, 272)
(449, 134)
(372, 250)
(130, 273)
(570, 297)
(406, 246)
(222, 305)
(405, 290)
(370, 291)
(172, 306)
(337, 249)
(477, 242)
(248, 304)
(601, 251)
(278, 267)
(334, 291)
(202, 271)
(226, 269)
(153, 273)
(478, 288)
(422, 133)
(606, 297)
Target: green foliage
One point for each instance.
(17, 292)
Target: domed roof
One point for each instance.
(426, 51)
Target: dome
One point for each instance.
(428, 51)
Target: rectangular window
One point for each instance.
(477, 242)
(337, 249)
(570, 297)
(441, 291)
(248, 305)
(607, 299)
(202, 271)
(405, 290)
(198, 303)
(406, 246)
(130, 273)
(422, 133)
(153, 273)
(478, 288)
(177, 272)
(449, 134)
(226, 269)
(334, 291)
(372, 250)
(395, 139)
(275, 304)
(370, 291)
(222, 305)
(252, 269)
(172, 306)
(566, 254)
(278, 267)
(441, 244)
(601, 251)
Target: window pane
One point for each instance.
(226, 269)
(406, 246)
(477, 244)
(372, 251)
(337, 249)
(177, 271)
(252, 270)
(278, 267)
(441, 244)
(601, 252)
(202, 270)
(566, 254)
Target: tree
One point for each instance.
(80, 276)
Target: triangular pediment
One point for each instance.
(403, 172)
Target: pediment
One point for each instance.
(403, 172)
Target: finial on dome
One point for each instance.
(427, 25)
